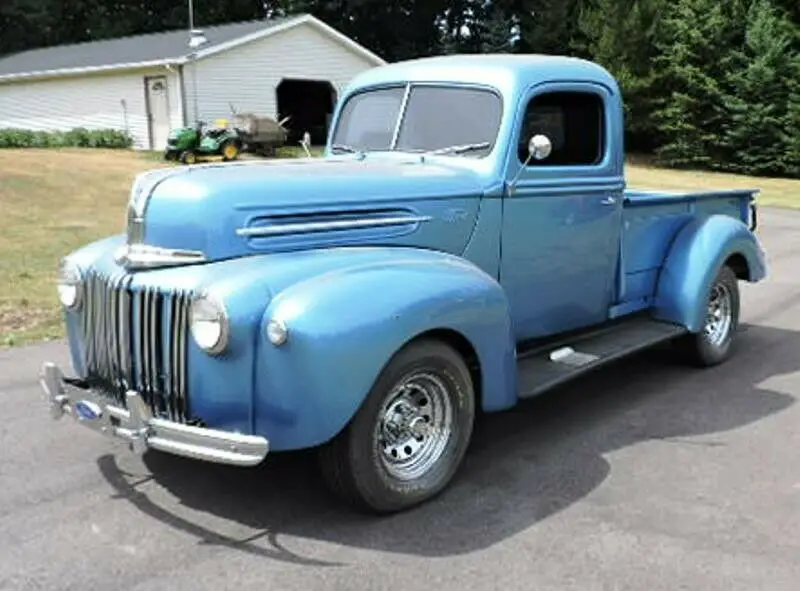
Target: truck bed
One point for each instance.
(651, 219)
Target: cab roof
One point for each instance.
(506, 72)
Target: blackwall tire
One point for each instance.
(713, 344)
(188, 157)
(409, 438)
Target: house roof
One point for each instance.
(169, 47)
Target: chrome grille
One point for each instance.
(136, 339)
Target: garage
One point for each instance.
(308, 105)
(149, 84)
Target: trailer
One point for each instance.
(260, 135)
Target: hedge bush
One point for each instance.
(78, 137)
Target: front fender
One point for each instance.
(345, 325)
(697, 254)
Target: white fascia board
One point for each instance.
(62, 72)
(290, 24)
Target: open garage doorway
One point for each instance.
(310, 105)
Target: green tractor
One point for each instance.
(187, 144)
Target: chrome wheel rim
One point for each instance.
(414, 426)
(719, 315)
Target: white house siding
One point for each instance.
(93, 102)
(247, 76)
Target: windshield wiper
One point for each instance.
(457, 149)
(344, 148)
(460, 148)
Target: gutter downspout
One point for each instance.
(182, 82)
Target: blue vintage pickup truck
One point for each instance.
(467, 241)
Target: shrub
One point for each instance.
(78, 137)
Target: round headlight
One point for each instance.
(209, 324)
(69, 285)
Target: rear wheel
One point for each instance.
(712, 345)
(408, 439)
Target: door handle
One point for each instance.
(608, 201)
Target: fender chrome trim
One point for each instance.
(141, 431)
(143, 256)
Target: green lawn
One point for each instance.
(774, 192)
(53, 201)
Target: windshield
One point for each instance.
(450, 119)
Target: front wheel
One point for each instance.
(712, 345)
(408, 439)
(230, 150)
(188, 157)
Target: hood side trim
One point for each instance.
(330, 225)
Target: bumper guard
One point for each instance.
(141, 430)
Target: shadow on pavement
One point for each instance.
(523, 466)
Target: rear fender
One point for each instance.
(699, 251)
(345, 325)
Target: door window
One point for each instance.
(573, 121)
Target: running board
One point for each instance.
(544, 368)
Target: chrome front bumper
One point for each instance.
(141, 430)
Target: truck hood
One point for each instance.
(229, 210)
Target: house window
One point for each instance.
(573, 121)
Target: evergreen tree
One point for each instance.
(793, 119)
(496, 31)
(757, 129)
(619, 35)
(394, 29)
(474, 26)
(26, 24)
(792, 10)
(545, 26)
(693, 42)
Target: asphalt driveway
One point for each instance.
(662, 478)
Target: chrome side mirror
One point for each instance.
(540, 147)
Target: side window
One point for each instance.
(575, 124)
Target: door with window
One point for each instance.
(157, 111)
(561, 221)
